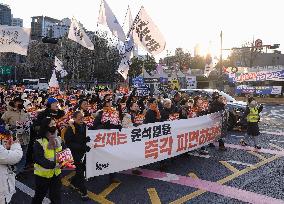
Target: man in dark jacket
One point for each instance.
(153, 113)
(218, 104)
(176, 102)
(166, 110)
(76, 140)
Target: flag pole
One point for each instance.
(128, 9)
(99, 12)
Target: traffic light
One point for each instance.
(49, 40)
(275, 46)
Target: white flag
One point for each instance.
(123, 69)
(107, 18)
(58, 64)
(63, 73)
(126, 27)
(77, 34)
(53, 80)
(14, 39)
(147, 34)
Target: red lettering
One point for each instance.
(167, 144)
(100, 140)
(182, 142)
(151, 149)
(193, 139)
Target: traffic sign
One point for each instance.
(5, 70)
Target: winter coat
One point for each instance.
(165, 114)
(99, 125)
(216, 106)
(253, 128)
(150, 117)
(18, 121)
(7, 177)
(76, 142)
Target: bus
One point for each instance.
(36, 84)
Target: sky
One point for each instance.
(184, 23)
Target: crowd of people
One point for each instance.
(42, 124)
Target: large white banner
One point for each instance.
(14, 39)
(147, 34)
(114, 150)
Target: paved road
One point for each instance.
(238, 175)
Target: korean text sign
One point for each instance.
(114, 150)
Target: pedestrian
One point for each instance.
(252, 116)
(153, 114)
(17, 121)
(218, 105)
(76, 140)
(10, 154)
(46, 169)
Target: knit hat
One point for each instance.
(52, 100)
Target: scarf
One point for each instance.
(154, 108)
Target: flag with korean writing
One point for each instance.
(77, 34)
(14, 39)
(119, 150)
(147, 34)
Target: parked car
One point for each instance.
(236, 108)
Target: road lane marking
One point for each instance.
(276, 147)
(195, 154)
(240, 163)
(109, 189)
(249, 148)
(154, 197)
(192, 175)
(91, 195)
(257, 155)
(229, 166)
(215, 187)
(282, 141)
(273, 133)
(27, 190)
(226, 179)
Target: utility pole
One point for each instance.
(221, 61)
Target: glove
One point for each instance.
(87, 148)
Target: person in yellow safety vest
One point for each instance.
(252, 116)
(47, 171)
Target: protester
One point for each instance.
(166, 110)
(133, 117)
(76, 139)
(218, 104)
(176, 102)
(153, 114)
(18, 122)
(252, 115)
(47, 171)
(83, 107)
(10, 154)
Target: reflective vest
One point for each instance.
(253, 116)
(49, 154)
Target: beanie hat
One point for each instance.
(151, 100)
(51, 100)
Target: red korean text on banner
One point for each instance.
(139, 119)
(174, 116)
(109, 139)
(65, 159)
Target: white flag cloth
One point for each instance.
(123, 69)
(107, 18)
(147, 34)
(63, 73)
(53, 80)
(14, 39)
(58, 65)
(77, 34)
(126, 55)
(126, 27)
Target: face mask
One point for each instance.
(52, 129)
(20, 106)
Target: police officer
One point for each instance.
(47, 171)
(252, 116)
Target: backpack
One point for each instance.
(63, 131)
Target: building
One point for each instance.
(17, 22)
(43, 26)
(5, 15)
